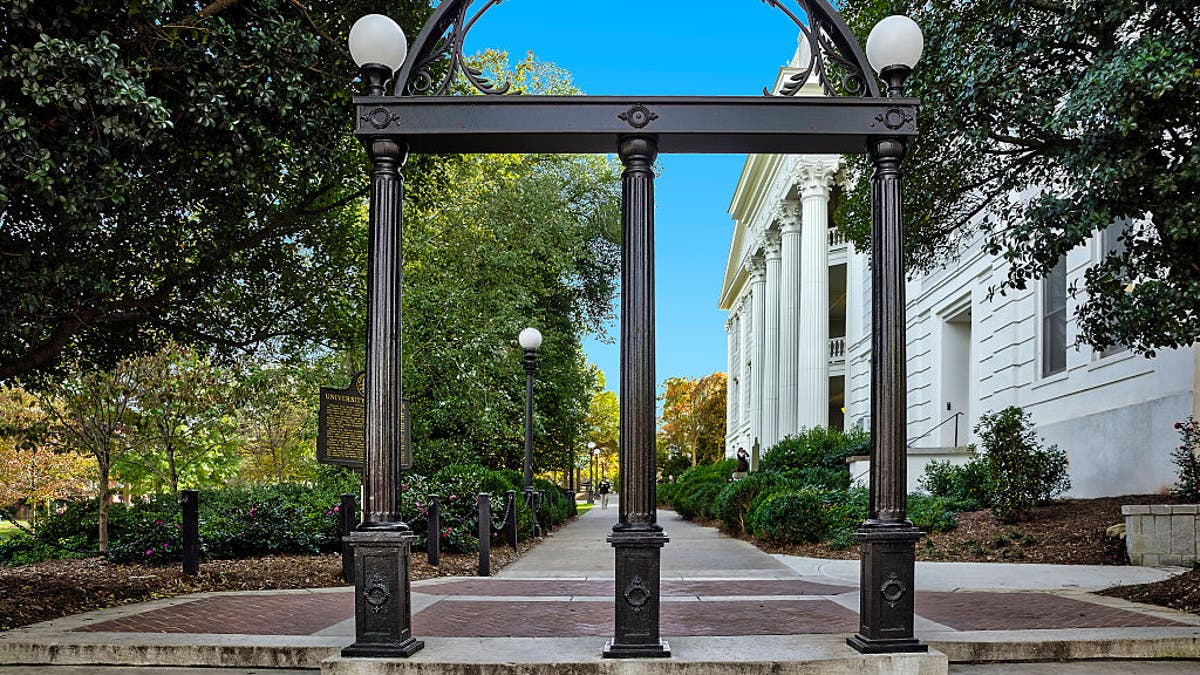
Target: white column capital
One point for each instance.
(788, 215)
(757, 266)
(815, 176)
(771, 244)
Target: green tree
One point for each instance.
(277, 422)
(494, 243)
(180, 170)
(603, 425)
(185, 426)
(1044, 121)
(693, 417)
(92, 412)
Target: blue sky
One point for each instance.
(670, 47)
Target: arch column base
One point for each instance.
(638, 599)
(886, 587)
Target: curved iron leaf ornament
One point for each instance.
(833, 52)
(437, 59)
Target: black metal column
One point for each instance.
(637, 537)
(382, 546)
(887, 538)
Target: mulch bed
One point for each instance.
(1180, 592)
(1066, 532)
(59, 588)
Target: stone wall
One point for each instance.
(1162, 534)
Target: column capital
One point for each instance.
(757, 266)
(787, 213)
(815, 176)
(771, 245)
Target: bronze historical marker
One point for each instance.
(341, 426)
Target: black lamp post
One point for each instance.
(530, 340)
(382, 602)
(591, 472)
(887, 538)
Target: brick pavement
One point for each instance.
(690, 608)
(604, 587)
(260, 614)
(1017, 611)
(561, 618)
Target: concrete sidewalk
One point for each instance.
(724, 604)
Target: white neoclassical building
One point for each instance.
(799, 337)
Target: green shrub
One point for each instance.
(816, 447)
(821, 477)
(793, 517)
(932, 514)
(967, 487)
(696, 491)
(1023, 472)
(1187, 461)
(733, 502)
(664, 493)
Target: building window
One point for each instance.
(1054, 320)
(1112, 244)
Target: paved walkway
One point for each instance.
(722, 600)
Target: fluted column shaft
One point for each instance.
(854, 327)
(770, 369)
(889, 384)
(813, 340)
(758, 315)
(384, 383)
(729, 442)
(789, 318)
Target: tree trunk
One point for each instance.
(103, 506)
(173, 474)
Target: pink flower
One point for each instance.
(164, 544)
(337, 509)
(453, 497)
(149, 551)
(158, 522)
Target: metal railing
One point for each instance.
(939, 425)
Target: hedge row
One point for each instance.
(800, 493)
(240, 522)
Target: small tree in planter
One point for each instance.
(1187, 458)
(1024, 473)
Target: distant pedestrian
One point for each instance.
(743, 460)
(605, 488)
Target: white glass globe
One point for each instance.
(375, 38)
(895, 41)
(530, 338)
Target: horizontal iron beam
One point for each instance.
(595, 124)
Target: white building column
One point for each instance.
(729, 421)
(770, 361)
(788, 215)
(854, 329)
(815, 177)
(758, 314)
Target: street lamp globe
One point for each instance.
(530, 339)
(896, 41)
(375, 38)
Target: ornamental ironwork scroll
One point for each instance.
(437, 57)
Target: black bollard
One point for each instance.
(510, 518)
(485, 535)
(434, 531)
(191, 531)
(348, 519)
